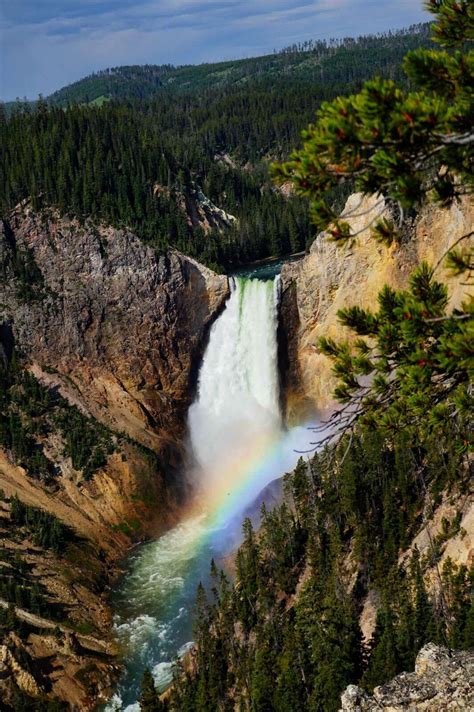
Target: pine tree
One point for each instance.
(247, 568)
(149, 699)
(424, 625)
(412, 147)
(387, 139)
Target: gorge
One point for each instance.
(129, 357)
(236, 377)
(238, 446)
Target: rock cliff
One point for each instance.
(117, 329)
(112, 336)
(119, 333)
(332, 277)
(441, 681)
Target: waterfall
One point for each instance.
(237, 408)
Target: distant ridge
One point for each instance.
(318, 61)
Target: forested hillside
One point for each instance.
(287, 636)
(137, 159)
(333, 61)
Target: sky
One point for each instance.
(46, 44)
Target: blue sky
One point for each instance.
(45, 44)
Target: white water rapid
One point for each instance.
(239, 446)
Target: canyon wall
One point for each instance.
(332, 277)
(117, 329)
(119, 333)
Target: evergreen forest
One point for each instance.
(286, 636)
(134, 160)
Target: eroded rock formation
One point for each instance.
(441, 681)
(117, 329)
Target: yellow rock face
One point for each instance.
(332, 277)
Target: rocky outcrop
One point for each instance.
(197, 208)
(23, 678)
(332, 277)
(50, 663)
(442, 680)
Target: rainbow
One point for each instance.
(267, 458)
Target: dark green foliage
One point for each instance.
(20, 588)
(18, 581)
(459, 593)
(106, 161)
(247, 566)
(406, 619)
(29, 411)
(88, 443)
(28, 274)
(28, 596)
(20, 261)
(110, 161)
(419, 356)
(149, 698)
(413, 146)
(327, 618)
(19, 397)
(384, 662)
(10, 622)
(47, 531)
(283, 540)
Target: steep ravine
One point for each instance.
(117, 333)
